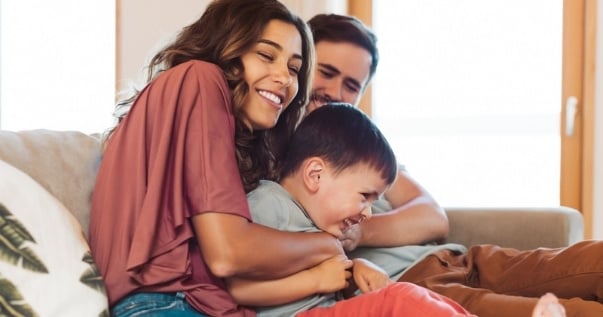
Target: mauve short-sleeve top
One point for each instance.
(170, 159)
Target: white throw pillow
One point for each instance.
(45, 264)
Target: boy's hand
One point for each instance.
(368, 276)
(333, 274)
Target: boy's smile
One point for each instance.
(344, 198)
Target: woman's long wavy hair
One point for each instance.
(227, 30)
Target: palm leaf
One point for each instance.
(91, 276)
(12, 302)
(104, 313)
(13, 239)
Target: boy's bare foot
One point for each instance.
(548, 306)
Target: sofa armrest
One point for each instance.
(520, 228)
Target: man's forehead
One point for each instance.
(347, 58)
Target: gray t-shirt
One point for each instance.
(272, 206)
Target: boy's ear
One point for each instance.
(312, 169)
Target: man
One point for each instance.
(347, 58)
(487, 280)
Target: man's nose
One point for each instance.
(334, 91)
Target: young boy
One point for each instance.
(337, 165)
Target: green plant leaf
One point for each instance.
(104, 313)
(13, 243)
(91, 276)
(12, 302)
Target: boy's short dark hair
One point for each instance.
(345, 28)
(343, 136)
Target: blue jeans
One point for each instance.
(154, 305)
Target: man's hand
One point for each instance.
(351, 237)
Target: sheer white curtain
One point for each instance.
(468, 93)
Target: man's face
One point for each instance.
(342, 73)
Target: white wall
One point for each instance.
(143, 27)
(308, 8)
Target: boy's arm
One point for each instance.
(327, 277)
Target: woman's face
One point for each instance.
(271, 70)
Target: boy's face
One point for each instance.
(341, 74)
(344, 199)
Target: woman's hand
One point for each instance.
(368, 276)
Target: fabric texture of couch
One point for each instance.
(65, 163)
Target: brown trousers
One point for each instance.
(491, 281)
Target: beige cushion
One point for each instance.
(515, 227)
(63, 162)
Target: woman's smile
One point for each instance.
(273, 98)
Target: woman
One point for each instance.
(169, 216)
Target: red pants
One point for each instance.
(398, 299)
(491, 281)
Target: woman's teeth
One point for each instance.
(272, 97)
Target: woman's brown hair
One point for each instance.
(225, 31)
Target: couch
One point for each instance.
(46, 267)
(65, 163)
(46, 183)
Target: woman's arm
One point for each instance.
(233, 246)
(327, 277)
(416, 218)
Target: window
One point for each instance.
(57, 64)
(468, 94)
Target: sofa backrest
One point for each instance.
(63, 162)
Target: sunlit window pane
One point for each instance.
(468, 92)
